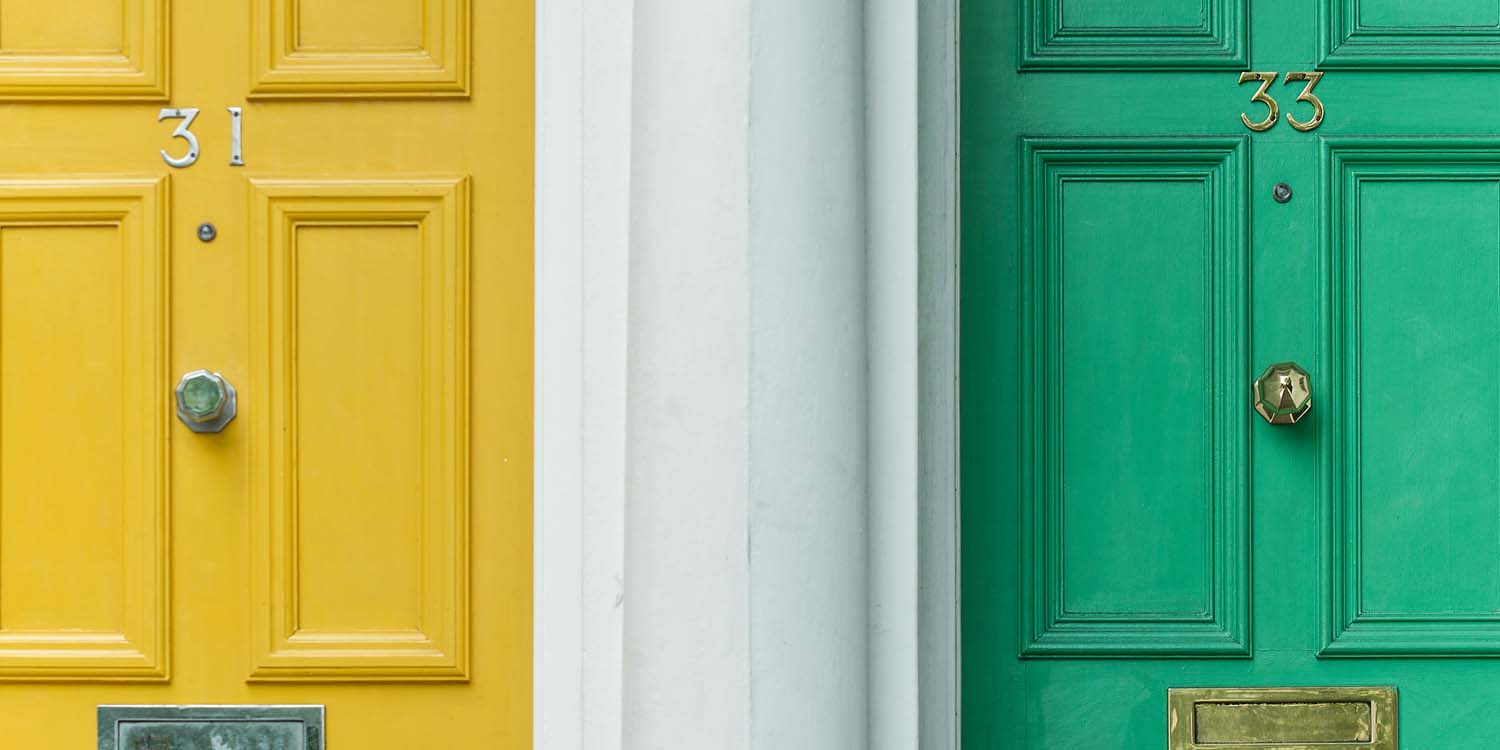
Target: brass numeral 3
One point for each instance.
(1274, 113)
(1306, 96)
(1266, 79)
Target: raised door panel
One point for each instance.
(1413, 494)
(1134, 332)
(1151, 34)
(83, 49)
(340, 48)
(83, 485)
(1402, 34)
(360, 528)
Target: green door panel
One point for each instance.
(1414, 473)
(1407, 34)
(1141, 33)
(1129, 525)
(1134, 291)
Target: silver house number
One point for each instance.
(185, 132)
(187, 115)
(236, 129)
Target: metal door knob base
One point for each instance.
(1283, 394)
(206, 402)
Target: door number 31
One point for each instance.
(184, 131)
(1266, 79)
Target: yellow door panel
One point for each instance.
(360, 528)
(83, 556)
(333, 48)
(358, 537)
(83, 49)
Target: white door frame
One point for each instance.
(584, 113)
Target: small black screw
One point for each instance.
(1282, 192)
(207, 232)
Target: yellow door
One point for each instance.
(358, 536)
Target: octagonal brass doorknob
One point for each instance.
(205, 401)
(1282, 393)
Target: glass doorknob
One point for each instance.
(1282, 393)
(205, 401)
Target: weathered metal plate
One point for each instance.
(1350, 718)
(210, 728)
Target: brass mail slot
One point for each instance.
(1350, 718)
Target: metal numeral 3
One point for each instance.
(1266, 79)
(1306, 96)
(187, 115)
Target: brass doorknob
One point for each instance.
(1282, 393)
(205, 401)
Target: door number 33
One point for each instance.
(185, 132)
(1266, 79)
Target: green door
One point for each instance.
(1130, 524)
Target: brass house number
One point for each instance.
(1266, 79)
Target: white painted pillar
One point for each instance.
(687, 632)
(745, 375)
(584, 53)
(745, 556)
(809, 580)
(891, 166)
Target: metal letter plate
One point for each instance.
(210, 728)
(1340, 718)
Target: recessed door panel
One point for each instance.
(1415, 483)
(83, 49)
(1134, 323)
(83, 496)
(1397, 34)
(361, 525)
(389, 48)
(1153, 34)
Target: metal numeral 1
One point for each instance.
(236, 128)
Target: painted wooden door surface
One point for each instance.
(1129, 525)
(359, 536)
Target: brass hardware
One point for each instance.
(1306, 96)
(1282, 394)
(1348, 718)
(1266, 79)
